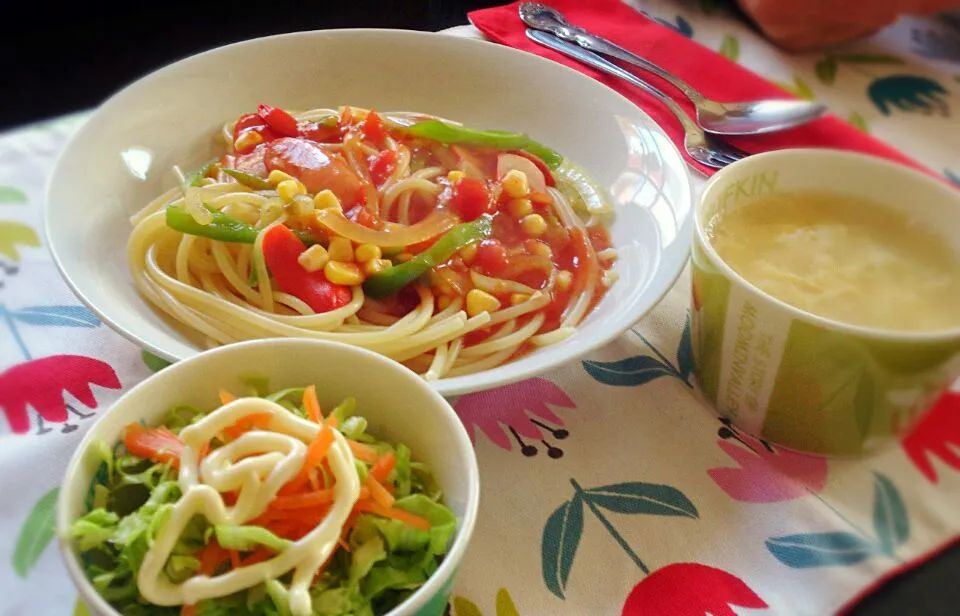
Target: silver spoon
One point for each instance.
(747, 118)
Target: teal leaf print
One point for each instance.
(730, 48)
(857, 121)
(863, 399)
(890, 520)
(9, 194)
(910, 93)
(35, 534)
(867, 58)
(642, 498)
(561, 537)
(154, 363)
(679, 24)
(56, 316)
(953, 177)
(628, 372)
(685, 352)
(826, 69)
(820, 549)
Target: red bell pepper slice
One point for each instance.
(281, 249)
(279, 120)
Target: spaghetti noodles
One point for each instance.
(448, 249)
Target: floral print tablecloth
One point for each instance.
(608, 487)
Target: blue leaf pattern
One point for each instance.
(561, 537)
(820, 549)
(628, 372)
(685, 352)
(56, 316)
(890, 520)
(642, 498)
(910, 93)
(953, 177)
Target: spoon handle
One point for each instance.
(547, 19)
(591, 59)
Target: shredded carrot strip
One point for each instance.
(226, 397)
(210, 558)
(362, 452)
(381, 469)
(157, 444)
(539, 197)
(314, 479)
(188, 610)
(234, 559)
(251, 421)
(258, 556)
(372, 506)
(311, 404)
(378, 492)
(204, 450)
(301, 501)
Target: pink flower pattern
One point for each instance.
(497, 411)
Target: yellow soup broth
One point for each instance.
(843, 258)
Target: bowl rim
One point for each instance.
(449, 386)
(908, 174)
(452, 559)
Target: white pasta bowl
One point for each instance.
(400, 408)
(122, 158)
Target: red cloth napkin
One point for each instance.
(715, 76)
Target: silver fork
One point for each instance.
(703, 148)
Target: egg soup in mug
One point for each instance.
(842, 257)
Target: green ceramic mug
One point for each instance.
(795, 378)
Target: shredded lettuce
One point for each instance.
(131, 499)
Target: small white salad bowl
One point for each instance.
(122, 158)
(400, 407)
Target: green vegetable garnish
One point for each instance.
(392, 279)
(252, 181)
(223, 227)
(501, 140)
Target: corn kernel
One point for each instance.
(533, 225)
(374, 266)
(443, 301)
(563, 281)
(340, 249)
(244, 212)
(403, 257)
(480, 301)
(515, 183)
(538, 248)
(314, 258)
(301, 206)
(347, 274)
(325, 199)
(518, 298)
(276, 176)
(247, 140)
(520, 207)
(288, 189)
(367, 252)
(455, 175)
(468, 253)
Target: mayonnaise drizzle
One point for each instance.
(256, 466)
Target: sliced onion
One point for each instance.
(395, 236)
(521, 264)
(510, 162)
(499, 286)
(571, 177)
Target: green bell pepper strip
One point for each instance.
(223, 228)
(194, 178)
(392, 279)
(501, 140)
(249, 180)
